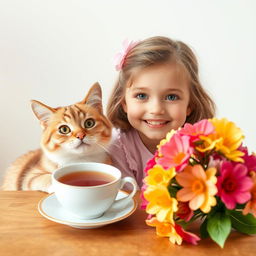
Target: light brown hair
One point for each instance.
(155, 51)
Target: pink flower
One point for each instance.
(144, 202)
(204, 127)
(186, 236)
(151, 163)
(233, 184)
(175, 153)
(119, 59)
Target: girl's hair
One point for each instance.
(153, 51)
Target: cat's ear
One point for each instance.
(94, 97)
(42, 112)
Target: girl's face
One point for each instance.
(157, 102)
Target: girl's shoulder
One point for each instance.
(122, 150)
(129, 154)
(128, 138)
(130, 143)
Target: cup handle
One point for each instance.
(125, 200)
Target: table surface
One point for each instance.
(23, 231)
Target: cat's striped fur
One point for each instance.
(75, 133)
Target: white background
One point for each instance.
(53, 51)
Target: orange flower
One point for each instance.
(198, 187)
(175, 232)
(165, 229)
(250, 207)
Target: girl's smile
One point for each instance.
(156, 123)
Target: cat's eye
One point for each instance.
(89, 123)
(64, 129)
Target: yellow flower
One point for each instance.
(159, 176)
(227, 138)
(165, 229)
(198, 187)
(160, 203)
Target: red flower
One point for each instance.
(187, 236)
(249, 160)
(184, 212)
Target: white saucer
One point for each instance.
(51, 209)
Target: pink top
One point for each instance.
(130, 155)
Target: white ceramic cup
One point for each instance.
(89, 202)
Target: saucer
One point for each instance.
(50, 208)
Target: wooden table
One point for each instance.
(23, 231)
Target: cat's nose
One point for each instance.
(80, 135)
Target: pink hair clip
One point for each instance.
(120, 57)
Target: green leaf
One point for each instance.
(172, 190)
(243, 223)
(219, 227)
(203, 229)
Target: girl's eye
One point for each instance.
(141, 96)
(172, 97)
(64, 129)
(89, 123)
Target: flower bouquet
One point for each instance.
(201, 171)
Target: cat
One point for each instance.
(75, 133)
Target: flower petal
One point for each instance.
(184, 179)
(185, 194)
(242, 198)
(187, 236)
(198, 172)
(196, 202)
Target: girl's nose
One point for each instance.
(156, 107)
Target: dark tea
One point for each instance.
(86, 179)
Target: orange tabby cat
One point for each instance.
(75, 133)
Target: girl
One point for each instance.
(157, 90)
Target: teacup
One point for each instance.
(88, 190)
